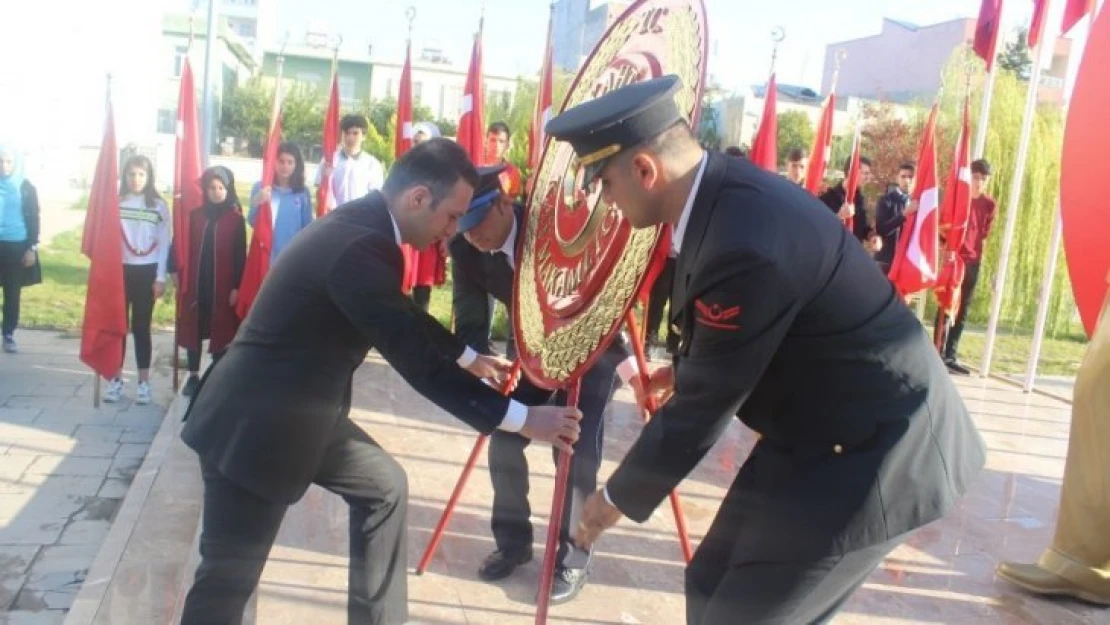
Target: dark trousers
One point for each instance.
(722, 591)
(657, 300)
(12, 274)
(192, 357)
(422, 296)
(509, 471)
(967, 292)
(138, 288)
(240, 528)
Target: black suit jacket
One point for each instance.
(834, 198)
(889, 219)
(266, 411)
(782, 315)
(476, 275)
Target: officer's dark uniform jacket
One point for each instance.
(786, 323)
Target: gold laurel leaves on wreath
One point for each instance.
(566, 348)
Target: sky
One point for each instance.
(739, 30)
(57, 55)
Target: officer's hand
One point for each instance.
(847, 211)
(644, 400)
(557, 425)
(661, 383)
(490, 368)
(597, 516)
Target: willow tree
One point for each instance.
(1037, 211)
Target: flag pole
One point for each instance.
(1014, 206)
(1053, 252)
(209, 118)
(107, 107)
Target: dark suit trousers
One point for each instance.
(722, 590)
(967, 293)
(240, 527)
(509, 471)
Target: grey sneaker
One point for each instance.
(143, 396)
(114, 391)
(10, 345)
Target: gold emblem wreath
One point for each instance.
(566, 348)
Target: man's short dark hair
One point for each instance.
(796, 154)
(499, 127)
(863, 160)
(734, 150)
(437, 164)
(909, 166)
(981, 167)
(354, 120)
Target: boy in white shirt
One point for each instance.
(354, 173)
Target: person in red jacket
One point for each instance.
(216, 256)
(983, 211)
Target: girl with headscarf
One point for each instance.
(290, 201)
(145, 225)
(19, 238)
(217, 254)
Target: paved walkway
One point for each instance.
(64, 469)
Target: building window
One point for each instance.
(179, 54)
(167, 122)
(452, 101)
(417, 91)
(346, 89)
(389, 88)
(308, 77)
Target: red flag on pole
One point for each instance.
(542, 114)
(105, 323)
(1036, 27)
(403, 134)
(471, 131)
(1074, 11)
(822, 147)
(915, 260)
(187, 194)
(765, 146)
(954, 212)
(986, 31)
(851, 181)
(325, 201)
(262, 237)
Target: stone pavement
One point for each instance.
(64, 469)
(943, 574)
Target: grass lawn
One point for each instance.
(58, 303)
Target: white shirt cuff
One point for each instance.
(628, 369)
(468, 357)
(605, 493)
(515, 416)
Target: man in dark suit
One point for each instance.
(271, 417)
(483, 261)
(786, 323)
(890, 215)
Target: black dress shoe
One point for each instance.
(500, 564)
(567, 584)
(956, 366)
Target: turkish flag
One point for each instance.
(765, 146)
(542, 113)
(403, 133)
(1083, 177)
(187, 194)
(851, 182)
(954, 212)
(915, 260)
(1036, 27)
(471, 135)
(822, 147)
(262, 237)
(987, 29)
(325, 201)
(1074, 11)
(104, 326)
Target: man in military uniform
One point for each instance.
(483, 262)
(786, 323)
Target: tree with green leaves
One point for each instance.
(794, 131)
(1015, 57)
